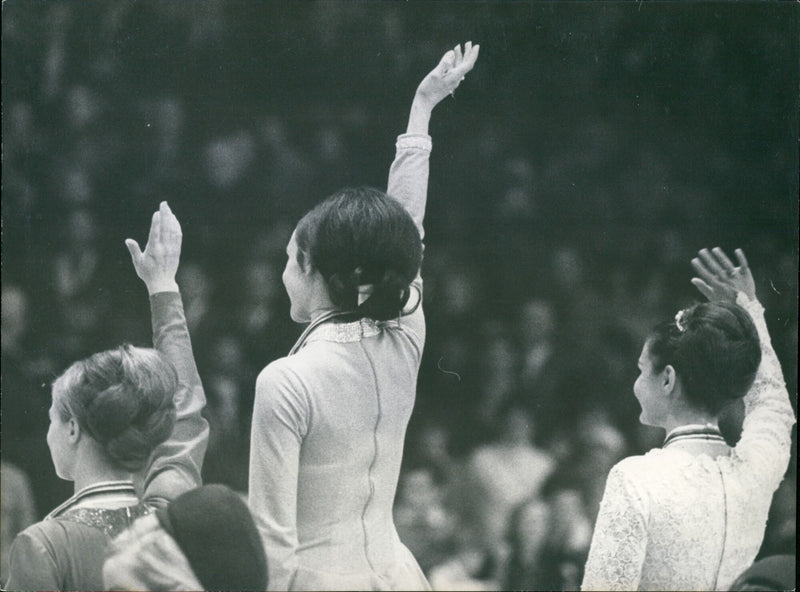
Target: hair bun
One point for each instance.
(123, 399)
(715, 350)
(388, 297)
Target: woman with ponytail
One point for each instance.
(126, 428)
(329, 420)
(691, 515)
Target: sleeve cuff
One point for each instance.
(753, 306)
(419, 141)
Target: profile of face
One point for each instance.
(650, 390)
(298, 284)
(61, 440)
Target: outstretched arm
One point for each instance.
(766, 432)
(408, 176)
(176, 464)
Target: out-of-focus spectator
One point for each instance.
(549, 537)
(499, 475)
(423, 522)
(25, 401)
(18, 510)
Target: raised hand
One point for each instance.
(158, 264)
(720, 280)
(448, 74)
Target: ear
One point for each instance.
(74, 431)
(669, 379)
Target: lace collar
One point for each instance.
(105, 488)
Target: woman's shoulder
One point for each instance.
(53, 535)
(639, 464)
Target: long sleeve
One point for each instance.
(279, 424)
(176, 465)
(408, 175)
(408, 184)
(31, 566)
(766, 433)
(619, 542)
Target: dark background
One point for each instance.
(592, 151)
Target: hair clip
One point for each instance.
(680, 322)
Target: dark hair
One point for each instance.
(362, 236)
(715, 350)
(216, 532)
(122, 398)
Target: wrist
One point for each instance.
(156, 286)
(419, 118)
(423, 101)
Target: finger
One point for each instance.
(476, 49)
(458, 54)
(467, 48)
(703, 287)
(446, 63)
(703, 271)
(711, 263)
(723, 259)
(469, 61)
(170, 227)
(134, 250)
(155, 230)
(742, 260)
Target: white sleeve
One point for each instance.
(279, 425)
(619, 541)
(765, 442)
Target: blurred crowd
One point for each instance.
(551, 248)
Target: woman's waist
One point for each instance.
(354, 542)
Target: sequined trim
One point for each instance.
(347, 332)
(105, 487)
(111, 522)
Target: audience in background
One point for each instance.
(542, 315)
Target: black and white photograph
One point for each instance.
(399, 295)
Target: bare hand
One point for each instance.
(158, 264)
(720, 280)
(445, 77)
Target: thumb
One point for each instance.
(447, 62)
(134, 250)
(703, 288)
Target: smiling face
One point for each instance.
(649, 390)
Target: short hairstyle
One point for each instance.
(715, 350)
(122, 398)
(361, 236)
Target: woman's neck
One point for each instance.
(92, 467)
(689, 418)
(321, 311)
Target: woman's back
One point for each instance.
(70, 548)
(702, 518)
(348, 396)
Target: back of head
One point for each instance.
(216, 532)
(362, 238)
(715, 350)
(123, 399)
